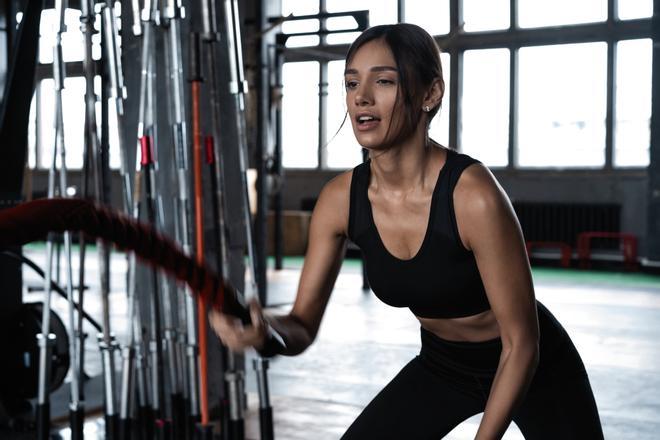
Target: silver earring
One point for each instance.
(427, 108)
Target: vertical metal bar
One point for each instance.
(653, 228)
(513, 107)
(611, 84)
(611, 104)
(454, 79)
(173, 13)
(277, 200)
(75, 408)
(323, 110)
(512, 153)
(322, 152)
(262, 155)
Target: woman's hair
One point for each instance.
(418, 64)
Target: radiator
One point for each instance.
(541, 221)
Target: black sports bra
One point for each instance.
(442, 280)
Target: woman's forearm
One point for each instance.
(514, 373)
(296, 336)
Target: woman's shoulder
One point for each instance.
(334, 201)
(477, 184)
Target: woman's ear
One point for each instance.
(433, 96)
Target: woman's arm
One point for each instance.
(325, 252)
(488, 226)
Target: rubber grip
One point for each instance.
(266, 423)
(76, 423)
(43, 421)
(112, 427)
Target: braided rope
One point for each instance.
(33, 221)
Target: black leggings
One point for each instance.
(450, 381)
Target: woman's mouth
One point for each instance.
(367, 122)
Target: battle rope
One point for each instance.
(33, 220)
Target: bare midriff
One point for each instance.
(475, 328)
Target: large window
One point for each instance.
(432, 16)
(632, 132)
(41, 135)
(562, 105)
(342, 148)
(565, 85)
(439, 129)
(484, 127)
(535, 13)
(300, 114)
(630, 9)
(485, 15)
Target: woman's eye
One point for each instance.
(384, 81)
(350, 84)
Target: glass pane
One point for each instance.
(290, 27)
(343, 38)
(380, 11)
(432, 16)
(73, 106)
(300, 7)
(342, 147)
(32, 133)
(632, 130)
(72, 39)
(562, 105)
(485, 15)
(630, 9)
(303, 41)
(115, 157)
(536, 13)
(484, 120)
(439, 129)
(300, 114)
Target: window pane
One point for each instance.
(439, 129)
(380, 11)
(343, 38)
(299, 7)
(113, 138)
(343, 149)
(73, 106)
(562, 105)
(484, 121)
(290, 27)
(300, 114)
(632, 130)
(630, 9)
(432, 16)
(72, 40)
(32, 132)
(303, 41)
(536, 13)
(485, 15)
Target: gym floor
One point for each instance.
(613, 318)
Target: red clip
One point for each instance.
(210, 156)
(145, 146)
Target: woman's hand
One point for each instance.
(237, 336)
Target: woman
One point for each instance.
(440, 237)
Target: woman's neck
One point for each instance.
(405, 167)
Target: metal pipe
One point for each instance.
(76, 405)
(238, 87)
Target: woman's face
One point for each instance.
(372, 85)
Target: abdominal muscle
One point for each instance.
(476, 328)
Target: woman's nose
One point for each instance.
(363, 96)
